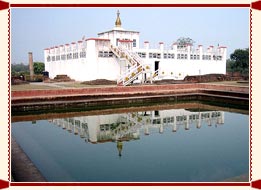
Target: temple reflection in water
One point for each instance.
(190, 143)
(129, 126)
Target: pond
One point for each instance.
(164, 145)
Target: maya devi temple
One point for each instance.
(117, 55)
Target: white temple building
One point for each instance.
(116, 55)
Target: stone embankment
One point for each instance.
(23, 169)
(51, 99)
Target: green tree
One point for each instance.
(230, 65)
(19, 69)
(184, 41)
(38, 67)
(239, 61)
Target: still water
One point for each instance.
(175, 145)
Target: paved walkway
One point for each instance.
(23, 169)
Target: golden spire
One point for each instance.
(118, 20)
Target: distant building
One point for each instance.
(116, 55)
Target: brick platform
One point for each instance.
(126, 90)
(89, 98)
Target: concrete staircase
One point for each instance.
(137, 66)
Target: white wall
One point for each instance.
(93, 67)
(183, 68)
(113, 35)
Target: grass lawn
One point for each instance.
(64, 85)
(50, 86)
(31, 87)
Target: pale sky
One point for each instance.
(34, 29)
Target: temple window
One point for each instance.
(57, 57)
(83, 54)
(134, 43)
(105, 54)
(63, 57)
(165, 56)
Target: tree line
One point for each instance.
(22, 69)
(239, 62)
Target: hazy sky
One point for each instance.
(35, 29)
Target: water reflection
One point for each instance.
(181, 144)
(128, 126)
